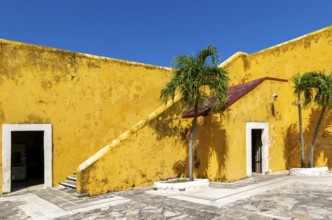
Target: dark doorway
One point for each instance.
(256, 150)
(27, 163)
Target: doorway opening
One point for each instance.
(27, 164)
(257, 148)
(26, 156)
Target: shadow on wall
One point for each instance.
(323, 149)
(292, 147)
(210, 150)
(323, 143)
(170, 124)
(210, 142)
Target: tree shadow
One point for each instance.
(323, 143)
(324, 137)
(170, 123)
(180, 168)
(211, 149)
(292, 147)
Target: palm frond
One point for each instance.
(209, 51)
(297, 82)
(191, 73)
(322, 84)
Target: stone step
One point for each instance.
(70, 184)
(72, 178)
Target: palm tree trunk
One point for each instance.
(190, 147)
(311, 156)
(301, 132)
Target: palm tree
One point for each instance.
(302, 86)
(190, 75)
(323, 85)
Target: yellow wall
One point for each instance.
(220, 142)
(310, 52)
(221, 137)
(89, 100)
(140, 156)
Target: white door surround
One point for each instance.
(265, 148)
(7, 130)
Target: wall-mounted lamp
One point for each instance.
(275, 96)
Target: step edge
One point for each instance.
(68, 184)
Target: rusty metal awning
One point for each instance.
(234, 94)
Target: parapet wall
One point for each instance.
(89, 100)
(310, 52)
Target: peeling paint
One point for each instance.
(220, 147)
(84, 97)
(310, 52)
(91, 100)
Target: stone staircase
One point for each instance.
(69, 186)
(70, 182)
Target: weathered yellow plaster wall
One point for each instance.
(1, 171)
(89, 100)
(221, 148)
(311, 52)
(140, 156)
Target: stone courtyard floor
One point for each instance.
(259, 197)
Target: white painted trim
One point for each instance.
(265, 147)
(6, 151)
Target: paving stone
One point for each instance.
(306, 198)
(300, 217)
(180, 217)
(115, 214)
(168, 214)
(257, 217)
(191, 205)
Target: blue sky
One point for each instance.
(154, 31)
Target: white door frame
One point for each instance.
(7, 149)
(265, 148)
